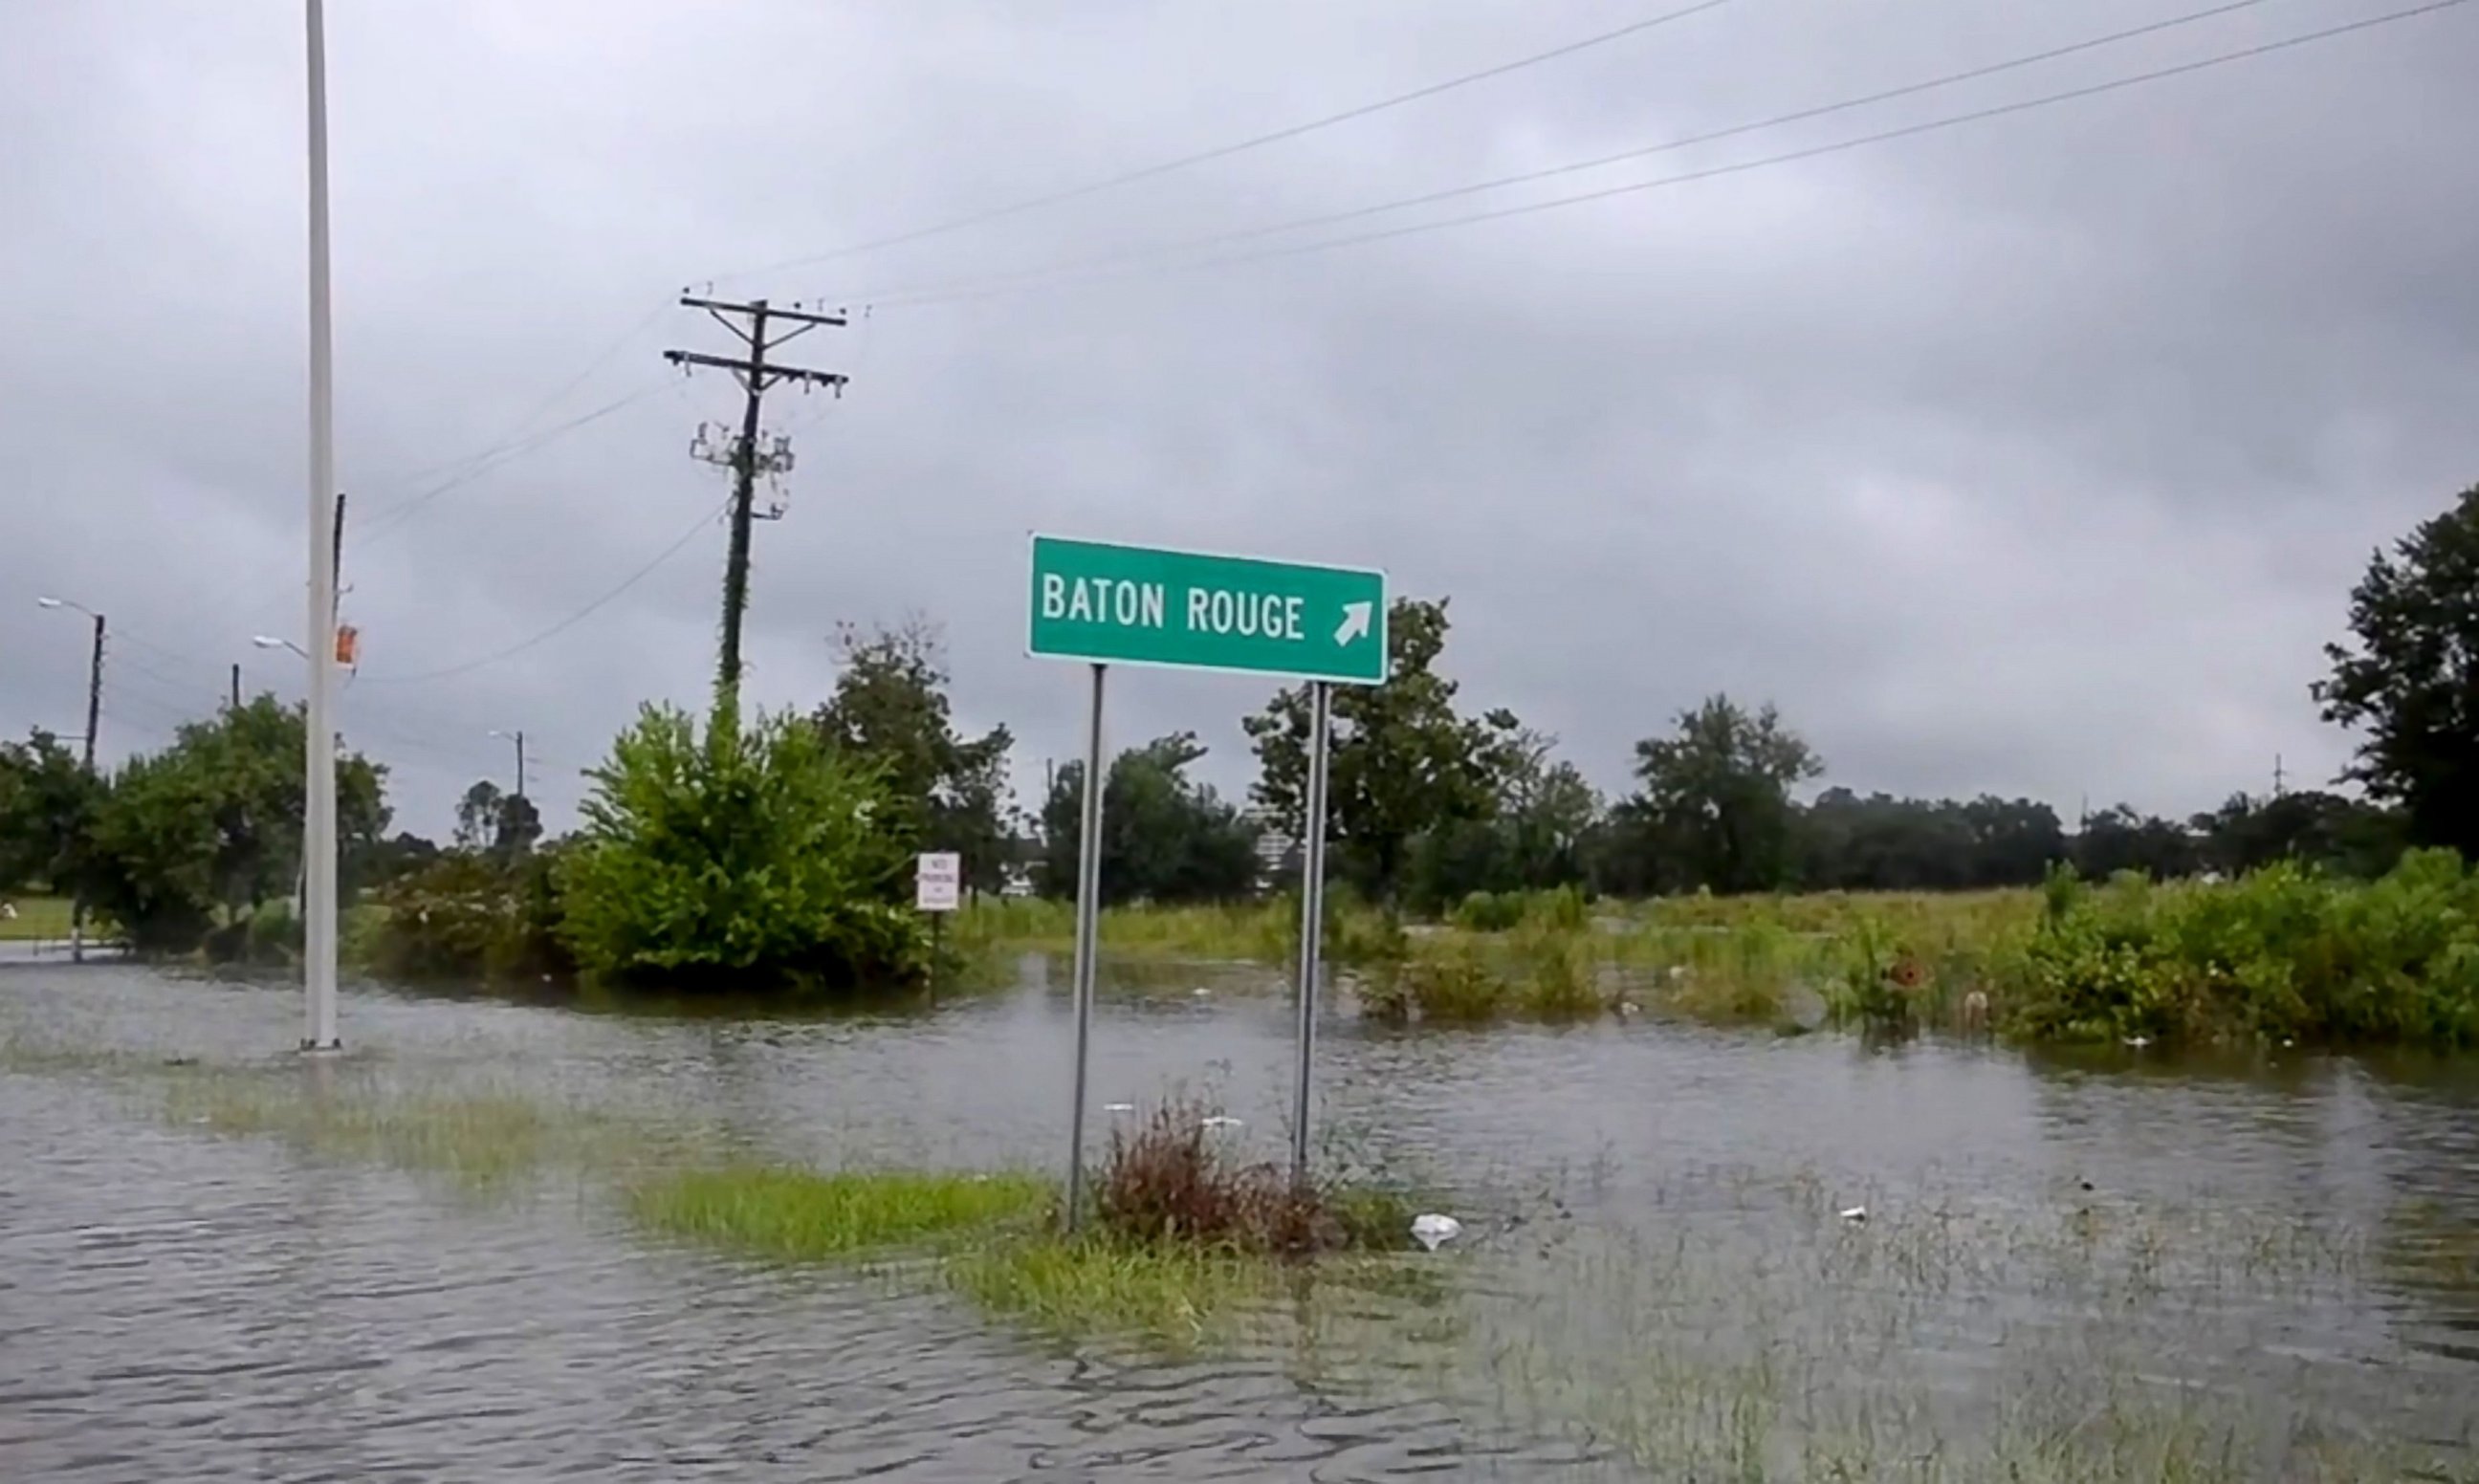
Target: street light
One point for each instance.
(271, 642)
(93, 717)
(519, 738)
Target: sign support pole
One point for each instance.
(1089, 913)
(1311, 917)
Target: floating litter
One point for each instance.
(1118, 1107)
(1432, 1230)
(1855, 1214)
(1200, 992)
(2138, 1043)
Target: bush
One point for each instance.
(1169, 1182)
(1488, 911)
(1537, 973)
(2284, 953)
(470, 916)
(740, 859)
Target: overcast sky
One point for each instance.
(2037, 455)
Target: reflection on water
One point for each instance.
(2069, 1266)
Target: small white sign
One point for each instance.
(938, 881)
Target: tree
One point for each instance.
(1536, 839)
(1402, 760)
(2412, 682)
(948, 792)
(517, 829)
(1165, 837)
(740, 859)
(1717, 795)
(389, 860)
(2311, 825)
(213, 822)
(47, 804)
(2120, 839)
(1882, 843)
(477, 815)
(2014, 842)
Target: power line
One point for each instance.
(481, 464)
(466, 470)
(564, 625)
(517, 430)
(1240, 146)
(1787, 157)
(937, 293)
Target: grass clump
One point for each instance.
(1169, 1183)
(803, 1215)
(1173, 1294)
(1262, 932)
(1187, 1240)
(1532, 973)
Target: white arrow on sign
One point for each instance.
(1355, 623)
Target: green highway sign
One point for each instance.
(1143, 605)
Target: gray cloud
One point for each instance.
(2037, 455)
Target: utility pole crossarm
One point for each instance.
(773, 311)
(748, 367)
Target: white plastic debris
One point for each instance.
(1118, 1107)
(2138, 1043)
(1220, 1122)
(1855, 1214)
(1433, 1231)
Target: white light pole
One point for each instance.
(319, 824)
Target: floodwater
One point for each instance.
(2068, 1269)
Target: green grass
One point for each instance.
(479, 1138)
(802, 1216)
(38, 917)
(1174, 1295)
(1260, 932)
(2281, 954)
(994, 1244)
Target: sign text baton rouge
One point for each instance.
(1118, 604)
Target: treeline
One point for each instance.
(782, 845)
(1429, 805)
(200, 843)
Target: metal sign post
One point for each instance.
(1089, 915)
(937, 888)
(1108, 605)
(1312, 918)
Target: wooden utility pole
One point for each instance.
(235, 685)
(93, 720)
(755, 375)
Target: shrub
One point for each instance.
(2284, 953)
(1449, 982)
(1561, 908)
(1169, 1181)
(470, 916)
(738, 859)
(1488, 911)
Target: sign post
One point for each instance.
(1106, 604)
(938, 881)
(937, 888)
